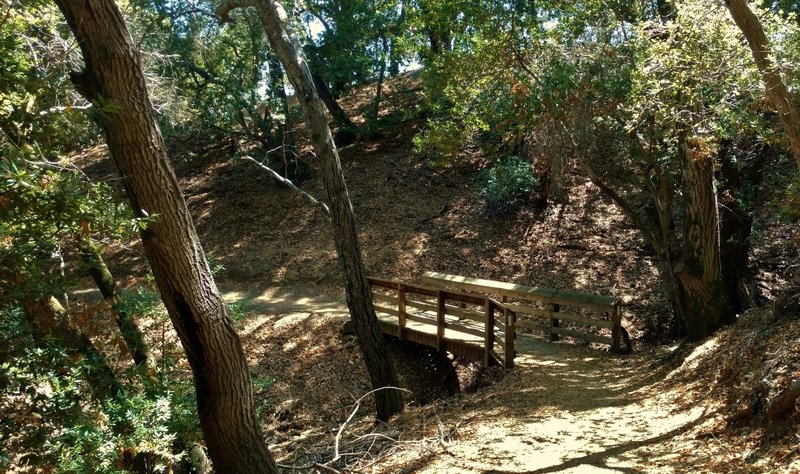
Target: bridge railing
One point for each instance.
(552, 306)
(490, 323)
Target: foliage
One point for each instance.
(506, 185)
(442, 141)
(357, 40)
(43, 206)
(48, 413)
(211, 80)
(46, 204)
(38, 106)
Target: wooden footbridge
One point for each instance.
(481, 319)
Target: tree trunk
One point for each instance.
(359, 295)
(394, 55)
(699, 273)
(376, 104)
(48, 319)
(114, 82)
(741, 179)
(324, 93)
(131, 334)
(776, 89)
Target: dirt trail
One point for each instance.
(564, 408)
(576, 410)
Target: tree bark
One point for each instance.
(113, 80)
(324, 93)
(131, 334)
(706, 307)
(359, 295)
(776, 89)
(740, 181)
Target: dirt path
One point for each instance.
(564, 408)
(573, 410)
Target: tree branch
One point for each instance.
(223, 11)
(288, 183)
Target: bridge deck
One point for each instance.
(454, 341)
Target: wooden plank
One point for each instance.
(440, 323)
(463, 297)
(464, 349)
(586, 337)
(533, 325)
(394, 285)
(568, 316)
(499, 324)
(390, 329)
(554, 322)
(546, 295)
(420, 319)
(545, 328)
(423, 305)
(616, 330)
(401, 310)
(387, 299)
(421, 337)
(465, 313)
(383, 309)
(464, 329)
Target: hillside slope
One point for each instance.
(575, 409)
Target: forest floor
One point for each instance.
(566, 408)
(563, 408)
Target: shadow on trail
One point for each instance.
(572, 378)
(600, 459)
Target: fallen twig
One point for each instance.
(352, 414)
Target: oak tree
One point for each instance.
(113, 81)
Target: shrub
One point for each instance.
(506, 185)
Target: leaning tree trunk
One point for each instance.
(706, 307)
(324, 93)
(776, 89)
(359, 295)
(129, 330)
(114, 83)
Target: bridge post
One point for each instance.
(488, 342)
(554, 322)
(401, 309)
(616, 330)
(510, 320)
(440, 311)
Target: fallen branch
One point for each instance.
(288, 183)
(442, 210)
(337, 441)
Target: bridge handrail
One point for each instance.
(603, 304)
(491, 322)
(536, 293)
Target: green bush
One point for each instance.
(442, 141)
(49, 418)
(506, 185)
